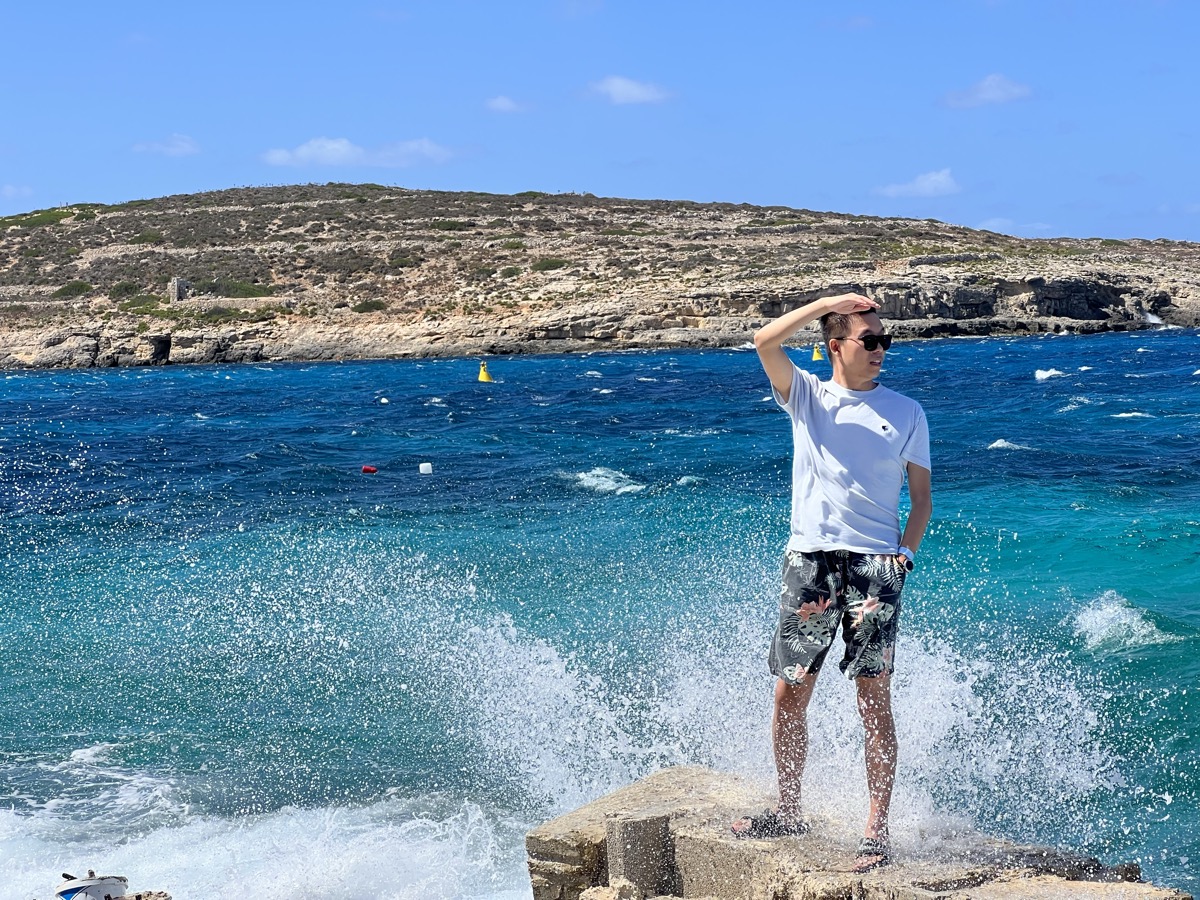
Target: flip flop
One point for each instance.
(768, 825)
(873, 853)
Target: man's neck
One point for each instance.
(850, 384)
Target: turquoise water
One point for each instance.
(232, 660)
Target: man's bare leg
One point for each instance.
(789, 735)
(875, 707)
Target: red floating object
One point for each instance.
(369, 470)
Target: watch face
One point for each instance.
(908, 564)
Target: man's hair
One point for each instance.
(835, 325)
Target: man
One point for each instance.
(846, 559)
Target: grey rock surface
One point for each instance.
(672, 839)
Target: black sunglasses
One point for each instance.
(871, 341)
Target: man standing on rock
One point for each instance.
(846, 559)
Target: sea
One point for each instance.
(234, 663)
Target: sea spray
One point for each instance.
(309, 672)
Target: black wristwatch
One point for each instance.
(908, 558)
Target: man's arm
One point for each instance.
(920, 495)
(769, 339)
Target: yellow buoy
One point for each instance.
(484, 374)
(817, 354)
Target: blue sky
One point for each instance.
(1041, 118)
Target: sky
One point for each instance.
(1038, 119)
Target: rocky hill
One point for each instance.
(365, 271)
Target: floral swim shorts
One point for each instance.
(823, 588)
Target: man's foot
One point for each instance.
(768, 825)
(873, 853)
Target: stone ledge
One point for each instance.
(669, 837)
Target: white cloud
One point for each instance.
(1001, 225)
(175, 145)
(995, 88)
(13, 191)
(323, 151)
(503, 104)
(620, 90)
(931, 184)
(998, 224)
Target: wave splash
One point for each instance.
(387, 849)
(608, 481)
(1110, 620)
(526, 725)
(1044, 374)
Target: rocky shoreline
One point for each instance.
(667, 836)
(342, 272)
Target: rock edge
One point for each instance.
(668, 836)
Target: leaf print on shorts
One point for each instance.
(873, 661)
(881, 569)
(811, 623)
(866, 611)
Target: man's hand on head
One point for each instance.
(846, 304)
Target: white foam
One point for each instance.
(601, 390)
(100, 797)
(97, 753)
(608, 481)
(1043, 374)
(966, 720)
(1111, 620)
(387, 849)
(1002, 444)
(690, 479)
(558, 721)
(592, 373)
(1074, 403)
(1131, 415)
(1085, 368)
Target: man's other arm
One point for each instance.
(920, 495)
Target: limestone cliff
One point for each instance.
(364, 271)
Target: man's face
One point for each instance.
(857, 360)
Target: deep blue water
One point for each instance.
(231, 659)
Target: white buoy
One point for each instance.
(426, 468)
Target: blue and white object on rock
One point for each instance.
(92, 888)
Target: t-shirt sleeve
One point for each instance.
(916, 449)
(803, 384)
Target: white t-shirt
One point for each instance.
(851, 449)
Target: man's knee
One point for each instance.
(794, 696)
